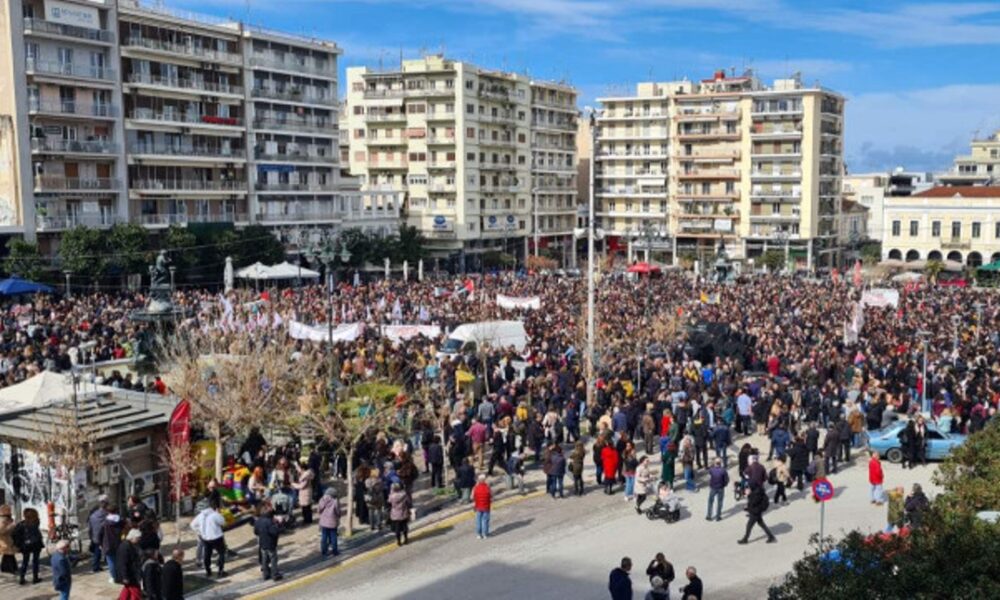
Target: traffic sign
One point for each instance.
(822, 489)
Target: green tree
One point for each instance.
(774, 260)
(360, 246)
(933, 269)
(971, 473)
(252, 244)
(128, 245)
(411, 245)
(84, 252)
(871, 252)
(23, 259)
(180, 244)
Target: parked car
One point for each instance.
(886, 442)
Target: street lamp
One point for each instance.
(173, 269)
(781, 236)
(979, 318)
(956, 321)
(924, 335)
(69, 293)
(325, 252)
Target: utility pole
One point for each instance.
(590, 263)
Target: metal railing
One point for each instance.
(208, 54)
(69, 107)
(294, 95)
(189, 184)
(166, 219)
(82, 33)
(187, 150)
(181, 117)
(299, 216)
(61, 145)
(56, 183)
(264, 186)
(221, 87)
(306, 66)
(296, 157)
(295, 124)
(51, 67)
(56, 222)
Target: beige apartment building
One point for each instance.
(485, 159)
(121, 111)
(980, 167)
(683, 166)
(955, 223)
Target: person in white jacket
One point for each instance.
(208, 525)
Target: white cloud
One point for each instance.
(925, 128)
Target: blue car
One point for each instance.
(886, 442)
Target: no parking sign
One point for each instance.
(822, 489)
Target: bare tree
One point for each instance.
(182, 464)
(69, 444)
(255, 383)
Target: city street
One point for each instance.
(555, 549)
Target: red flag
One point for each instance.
(469, 286)
(835, 275)
(857, 273)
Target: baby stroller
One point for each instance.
(741, 488)
(669, 511)
(284, 514)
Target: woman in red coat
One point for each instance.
(876, 478)
(609, 463)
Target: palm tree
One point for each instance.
(933, 269)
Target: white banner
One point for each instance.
(880, 297)
(530, 303)
(347, 332)
(398, 333)
(72, 14)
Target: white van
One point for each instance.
(495, 334)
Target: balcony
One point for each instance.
(442, 164)
(776, 175)
(694, 136)
(285, 63)
(624, 116)
(691, 115)
(630, 191)
(175, 116)
(955, 243)
(442, 187)
(48, 28)
(61, 146)
(388, 117)
(202, 53)
(760, 112)
(52, 183)
(60, 69)
(498, 119)
(632, 135)
(631, 155)
(710, 174)
(189, 151)
(509, 144)
(188, 185)
(776, 133)
(500, 188)
(62, 108)
(711, 155)
(195, 85)
(263, 186)
(440, 140)
(440, 115)
(782, 195)
(296, 157)
(299, 217)
(387, 163)
(294, 95)
(495, 93)
(312, 125)
(64, 222)
(168, 219)
(773, 217)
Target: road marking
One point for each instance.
(465, 515)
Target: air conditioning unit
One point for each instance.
(109, 474)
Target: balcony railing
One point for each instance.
(955, 243)
(301, 66)
(167, 185)
(777, 132)
(299, 216)
(80, 33)
(166, 219)
(147, 114)
(294, 95)
(776, 174)
(51, 67)
(395, 116)
(73, 146)
(188, 150)
(328, 127)
(296, 157)
(47, 183)
(764, 193)
(58, 222)
(73, 108)
(440, 115)
(264, 186)
(441, 140)
(443, 164)
(208, 54)
(221, 87)
(709, 174)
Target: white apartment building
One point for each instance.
(127, 112)
(980, 167)
(485, 159)
(684, 165)
(871, 189)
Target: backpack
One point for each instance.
(772, 477)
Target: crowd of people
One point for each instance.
(796, 379)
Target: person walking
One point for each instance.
(304, 486)
(757, 504)
(173, 576)
(694, 588)
(329, 521)
(643, 479)
(399, 514)
(128, 567)
(798, 461)
(718, 479)
(876, 479)
(208, 525)
(687, 453)
(62, 570)
(465, 479)
(111, 538)
(95, 521)
(915, 506)
(721, 438)
(576, 467)
(630, 464)
(435, 456)
(780, 479)
(267, 531)
(28, 539)
(482, 499)
(374, 500)
(668, 453)
(152, 576)
(8, 557)
(619, 583)
(557, 471)
(609, 464)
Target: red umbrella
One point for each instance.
(643, 268)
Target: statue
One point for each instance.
(723, 269)
(159, 285)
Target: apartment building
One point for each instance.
(979, 167)
(955, 223)
(471, 149)
(130, 112)
(870, 190)
(684, 165)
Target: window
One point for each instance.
(956, 229)
(470, 132)
(359, 133)
(468, 84)
(470, 156)
(996, 231)
(914, 228)
(896, 225)
(977, 230)
(470, 109)
(936, 229)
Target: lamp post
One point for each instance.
(781, 236)
(69, 293)
(172, 271)
(956, 321)
(924, 335)
(325, 252)
(590, 262)
(979, 319)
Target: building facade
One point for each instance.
(955, 223)
(485, 159)
(980, 167)
(123, 112)
(683, 166)
(870, 190)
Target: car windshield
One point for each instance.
(451, 345)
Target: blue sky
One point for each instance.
(921, 78)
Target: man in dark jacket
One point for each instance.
(152, 577)
(844, 434)
(128, 567)
(757, 503)
(173, 576)
(435, 456)
(267, 531)
(798, 458)
(756, 473)
(619, 583)
(694, 588)
(718, 479)
(465, 479)
(95, 522)
(721, 438)
(557, 470)
(831, 449)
